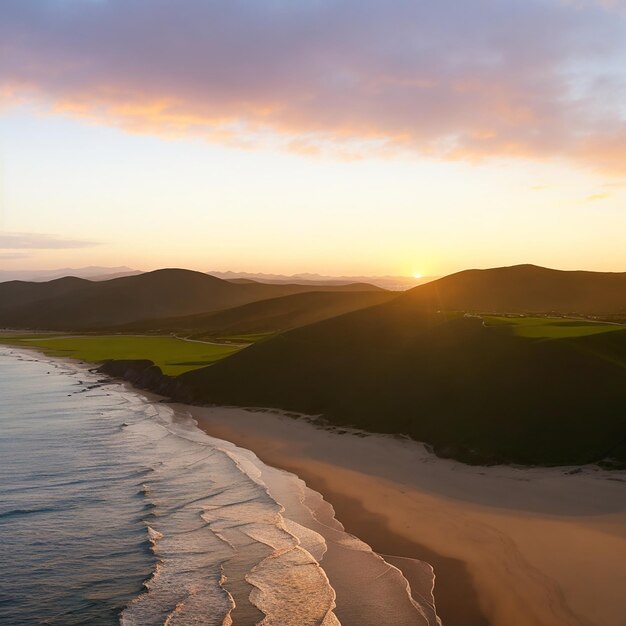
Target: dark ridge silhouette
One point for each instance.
(525, 289)
(76, 304)
(16, 293)
(272, 315)
(476, 393)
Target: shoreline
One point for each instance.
(511, 546)
(370, 591)
(456, 598)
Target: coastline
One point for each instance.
(367, 587)
(510, 546)
(456, 597)
(253, 518)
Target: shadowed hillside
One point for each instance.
(19, 294)
(525, 289)
(76, 304)
(272, 315)
(476, 392)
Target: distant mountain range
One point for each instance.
(93, 272)
(392, 283)
(72, 303)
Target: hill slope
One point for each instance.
(475, 392)
(525, 289)
(272, 315)
(17, 293)
(76, 304)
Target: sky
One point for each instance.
(345, 137)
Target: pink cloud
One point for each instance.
(467, 79)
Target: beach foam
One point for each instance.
(231, 539)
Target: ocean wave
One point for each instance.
(229, 539)
(276, 549)
(22, 512)
(291, 588)
(370, 591)
(221, 541)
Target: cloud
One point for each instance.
(458, 79)
(38, 241)
(594, 197)
(12, 256)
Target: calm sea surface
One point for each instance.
(74, 547)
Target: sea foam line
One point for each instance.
(235, 503)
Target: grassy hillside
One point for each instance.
(475, 391)
(75, 304)
(485, 365)
(174, 356)
(550, 327)
(268, 316)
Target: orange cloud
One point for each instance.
(455, 79)
(597, 196)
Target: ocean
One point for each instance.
(116, 509)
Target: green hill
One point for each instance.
(267, 316)
(76, 304)
(525, 289)
(476, 391)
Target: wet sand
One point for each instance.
(456, 596)
(510, 546)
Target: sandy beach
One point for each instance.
(510, 546)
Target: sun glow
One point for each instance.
(417, 275)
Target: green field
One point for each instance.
(550, 327)
(174, 356)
